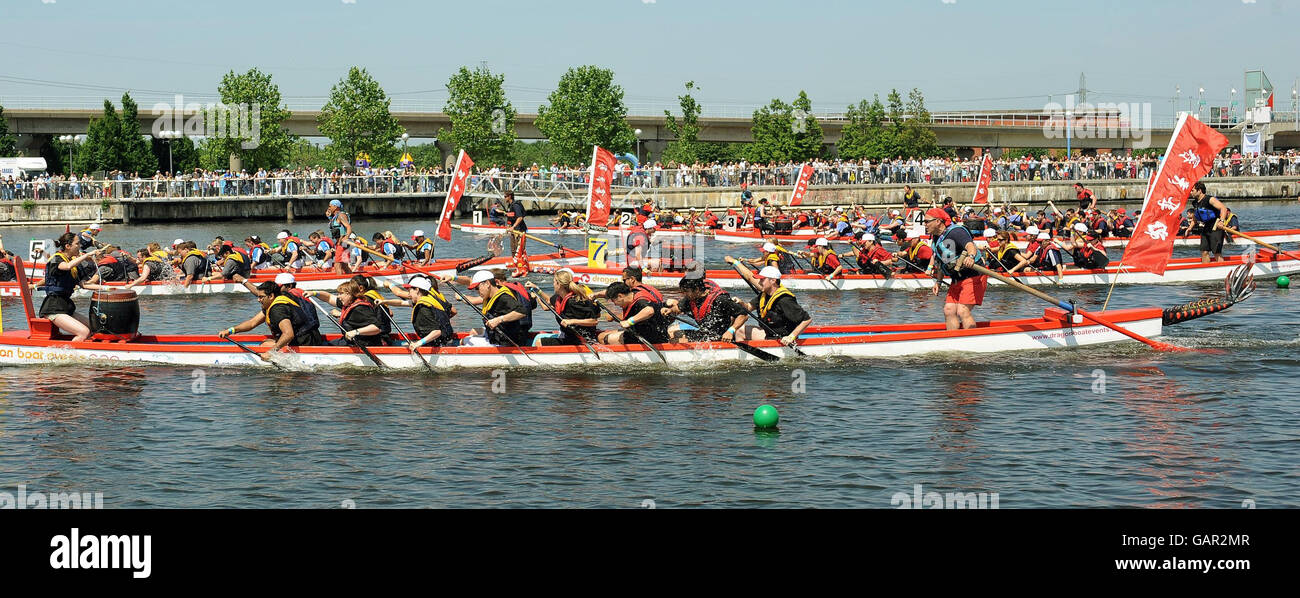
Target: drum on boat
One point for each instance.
(114, 315)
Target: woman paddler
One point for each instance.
(62, 277)
(575, 311)
(359, 317)
(283, 314)
(431, 314)
(775, 305)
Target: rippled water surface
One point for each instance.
(1117, 425)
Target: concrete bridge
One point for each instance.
(963, 131)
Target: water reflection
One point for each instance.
(1174, 463)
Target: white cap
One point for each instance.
(839, 209)
(822, 242)
(1081, 227)
(768, 247)
(1044, 236)
(650, 223)
(1031, 230)
(480, 277)
(177, 242)
(95, 226)
(769, 272)
(868, 237)
(988, 232)
(419, 282)
(818, 211)
(284, 278)
(569, 270)
(418, 233)
(282, 235)
(997, 210)
(895, 212)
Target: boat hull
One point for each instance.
(1054, 330)
(1272, 237)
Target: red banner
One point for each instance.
(459, 180)
(602, 169)
(986, 177)
(1189, 157)
(801, 185)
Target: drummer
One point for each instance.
(62, 276)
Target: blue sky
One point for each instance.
(967, 54)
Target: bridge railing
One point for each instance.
(629, 186)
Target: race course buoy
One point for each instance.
(766, 417)
(1283, 282)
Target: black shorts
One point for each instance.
(54, 305)
(1212, 241)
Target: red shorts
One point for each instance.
(968, 291)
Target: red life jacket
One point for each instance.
(522, 292)
(1040, 254)
(701, 309)
(649, 293)
(106, 261)
(344, 316)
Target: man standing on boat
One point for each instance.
(515, 216)
(1087, 199)
(340, 224)
(954, 254)
(1209, 211)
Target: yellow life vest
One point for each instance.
(73, 271)
(490, 302)
(279, 300)
(765, 303)
(433, 299)
(911, 253)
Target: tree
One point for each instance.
(807, 131)
(918, 137)
(865, 126)
(184, 154)
(482, 119)
(8, 143)
(786, 132)
(356, 119)
(137, 155)
(685, 147)
(269, 143)
(585, 109)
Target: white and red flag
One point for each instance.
(801, 185)
(986, 177)
(459, 180)
(1189, 157)
(598, 201)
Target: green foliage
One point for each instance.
(541, 153)
(807, 131)
(482, 119)
(1145, 152)
(585, 109)
(1013, 153)
(305, 154)
(29, 205)
(427, 155)
(786, 132)
(8, 143)
(115, 142)
(882, 131)
(356, 119)
(722, 152)
(184, 154)
(685, 147)
(273, 141)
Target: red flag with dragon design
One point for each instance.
(459, 180)
(598, 200)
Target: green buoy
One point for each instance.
(766, 417)
(1282, 283)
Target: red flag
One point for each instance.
(986, 176)
(1189, 157)
(801, 185)
(459, 179)
(602, 168)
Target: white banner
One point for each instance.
(1250, 142)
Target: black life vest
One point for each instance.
(58, 281)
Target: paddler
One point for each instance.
(430, 315)
(1209, 211)
(954, 254)
(289, 251)
(62, 277)
(891, 224)
(152, 267)
(1003, 253)
(384, 243)
(194, 263)
(1087, 199)
(232, 263)
(502, 308)
(916, 251)
(322, 250)
(872, 258)
(824, 260)
(340, 223)
(774, 255)
(1088, 250)
(717, 315)
(283, 314)
(259, 253)
(775, 305)
(359, 317)
(575, 311)
(421, 248)
(641, 313)
(116, 265)
(86, 237)
(1043, 255)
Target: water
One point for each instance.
(1040, 429)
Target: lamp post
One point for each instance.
(1178, 95)
(1200, 107)
(1232, 106)
(1295, 113)
(71, 140)
(168, 137)
(638, 147)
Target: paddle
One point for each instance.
(482, 315)
(1220, 225)
(1070, 307)
(760, 321)
(632, 330)
(548, 307)
(416, 350)
(535, 238)
(345, 333)
(743, 346)
(255, 353)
